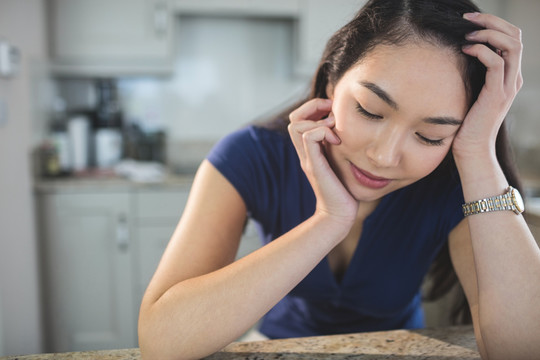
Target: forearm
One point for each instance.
(507, 262)
(201, 315)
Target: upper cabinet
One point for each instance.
(111, 37)
(136, 37)
(264, 8)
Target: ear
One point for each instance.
(330, 91)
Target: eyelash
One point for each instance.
(429, 141)
(371, 116)
(366, 113)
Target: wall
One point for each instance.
(2, 351)
(22, 24)
(525, 112)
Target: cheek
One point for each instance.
(423, 161)
(353, 131)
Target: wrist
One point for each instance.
(481, 176)
(337, 226)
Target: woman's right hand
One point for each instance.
(310, 128)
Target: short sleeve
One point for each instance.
(249, 159)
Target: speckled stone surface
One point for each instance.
(123, 354)
(434, 344)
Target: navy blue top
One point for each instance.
(400, 239)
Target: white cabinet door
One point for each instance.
(107, 37)
(151, 243)
(88, 271)
(156, 213)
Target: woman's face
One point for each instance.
(396, 113)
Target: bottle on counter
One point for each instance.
(59, 136)
(48, 161)
(78, 128)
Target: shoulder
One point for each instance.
(249, 141)
(261, 164)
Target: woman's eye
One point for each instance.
(366, 113)
(427, 141)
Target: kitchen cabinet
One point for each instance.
(111, 37)
(281, 8)
(101, 243)
(88, 270)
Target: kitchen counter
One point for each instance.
(106, 183)
(442, 343)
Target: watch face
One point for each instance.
(518, 200)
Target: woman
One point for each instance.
(355, 203)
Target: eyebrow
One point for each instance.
(443, 120)
(384, 96)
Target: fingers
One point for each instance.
(308, 130)
(314, 109)
(495, 65)
(504, 67)
(494, 22)
(510, 51)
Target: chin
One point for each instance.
(368, 195)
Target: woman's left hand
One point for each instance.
(503, 80)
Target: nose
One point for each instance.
(386, 149)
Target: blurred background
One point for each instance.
(106, 109)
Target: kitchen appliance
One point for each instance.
(108, 147)
(79, 141)
(108, 138)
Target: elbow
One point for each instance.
(154, 341)
(159, 342)
(153, 346)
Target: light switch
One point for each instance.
(3, 113)
(9, 59)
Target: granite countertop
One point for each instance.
(442, 343)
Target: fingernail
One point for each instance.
(470, 15)
(466, 47)
(471, 34)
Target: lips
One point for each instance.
(369, 180)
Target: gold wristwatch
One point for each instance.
(510, 200)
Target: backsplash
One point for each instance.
(228, 71)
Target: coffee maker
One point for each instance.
(108, 121)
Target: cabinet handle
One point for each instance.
(161, 18)
(122, 233)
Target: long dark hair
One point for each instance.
(397, 22)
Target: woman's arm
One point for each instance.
(199, 300)
(505, 255)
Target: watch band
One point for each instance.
(511, 200)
